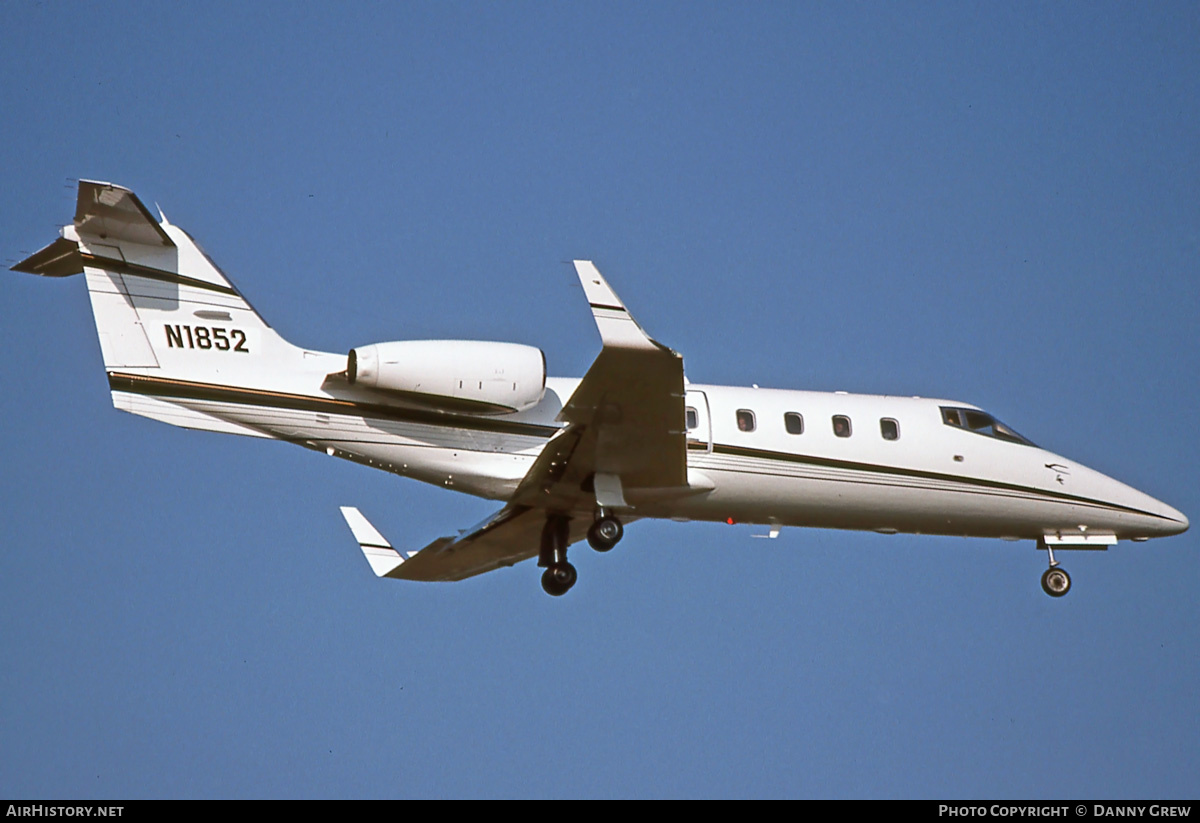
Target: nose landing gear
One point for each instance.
(1055, 580)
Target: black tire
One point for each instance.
(558, 579)
(605, 533)
(1056, 582)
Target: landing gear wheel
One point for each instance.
(605, 533)
(1056, 582)
(558, 579)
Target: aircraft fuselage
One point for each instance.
(571, 458)
(925, 476)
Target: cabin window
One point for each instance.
(889, 428)
(841, 425)
(693, 418)
(794, 423)
(745, 420)
(951, 418)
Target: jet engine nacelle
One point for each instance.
(457, 375)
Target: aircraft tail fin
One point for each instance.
(158, 300)
(163, 308)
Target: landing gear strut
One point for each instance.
(1055, 581)
(560, 575)
(605, 533)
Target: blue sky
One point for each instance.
(990, 202)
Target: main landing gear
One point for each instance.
(1055, 580)
(559, 578)
(559, 575)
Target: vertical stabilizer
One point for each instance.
(161, 305)
(168, 318)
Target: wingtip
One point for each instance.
(598, 292)
(616, 325)
(382, 558)
(587, 271)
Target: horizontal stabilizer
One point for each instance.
(110, 213)
(60, 259)
(115, 213)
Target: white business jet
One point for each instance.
(568, 458)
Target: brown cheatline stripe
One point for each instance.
(190, 390)
(136, 270)
(183, 389)
(739, 451)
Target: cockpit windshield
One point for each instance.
(981, 423)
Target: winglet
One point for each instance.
(617, 327)
(379, 553)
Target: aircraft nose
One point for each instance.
(1167, 519)
(1143, 516)
(1181, 521)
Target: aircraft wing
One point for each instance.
(509, 536)
(626, 423)
(625, 430)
